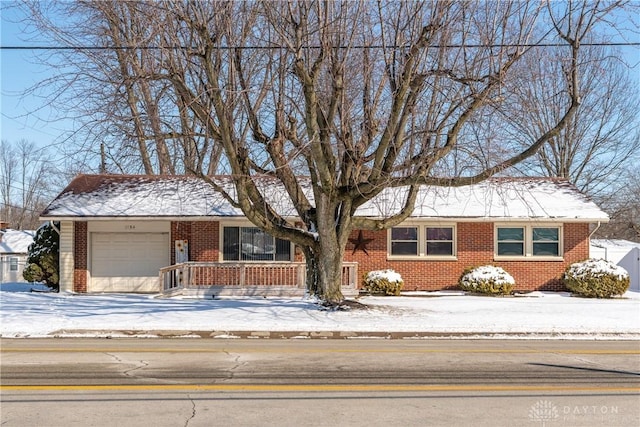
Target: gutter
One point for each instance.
(442, 219)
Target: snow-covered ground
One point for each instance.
(536, 315)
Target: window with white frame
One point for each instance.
(546, 241)
(404, 241)
(511, 241)
(528, 241)
(253, 244)
(422, 241)
(13, 264)
(439, 241)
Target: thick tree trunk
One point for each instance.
(312, 283)
(324, 276)
(329, 250)
(330, 277)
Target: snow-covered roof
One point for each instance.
(494, 199)
(15, 241)
(127, 196)
(151, 196)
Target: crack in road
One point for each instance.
(127, 372)
(238, 364)
(193, 411)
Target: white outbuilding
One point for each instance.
(624, 253)
(14, 245)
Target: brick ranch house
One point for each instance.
(124, 233)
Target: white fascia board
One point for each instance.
(502, 219)
(126, 218)
(149, 218)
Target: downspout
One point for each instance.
(590, 235)
(53, 225)
(594, 230)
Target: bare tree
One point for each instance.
(601, 137)
(356, 118)
(130, 122)
(23, 183)
(354, 97)
(623, 207)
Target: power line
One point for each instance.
(445, 46)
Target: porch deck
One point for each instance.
(211, 279)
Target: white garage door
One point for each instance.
(127, 262)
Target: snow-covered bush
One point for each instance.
(487, 279)
(386, 282)
(596, 278)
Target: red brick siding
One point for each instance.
(80, 256)
(203, 244)
(203, 237)
(474, 247)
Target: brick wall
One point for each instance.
(203, 244)
(203, 237)
(80, 255)
(475, 247)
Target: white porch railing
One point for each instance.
(223, 278)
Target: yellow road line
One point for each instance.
(316, 388)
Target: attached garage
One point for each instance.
(127, 261)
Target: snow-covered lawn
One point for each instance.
(537, 315)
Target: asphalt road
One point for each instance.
(257, 382)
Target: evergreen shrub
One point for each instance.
(596, 278)
(385, 282)
(486, 279)
(42, 258)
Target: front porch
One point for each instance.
(213, 279)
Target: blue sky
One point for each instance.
(22, 117)
(29, 118)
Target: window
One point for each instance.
(422, 241)
(528, 241)
(253, 244)
(511, 241)
(439, 241)
(13, 264)
(404, 241)
(546, 241)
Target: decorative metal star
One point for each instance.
(360, 243)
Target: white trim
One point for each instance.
(295, 219)
(67, 262)
(528, 241)
(125, 225)
(14, 261)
